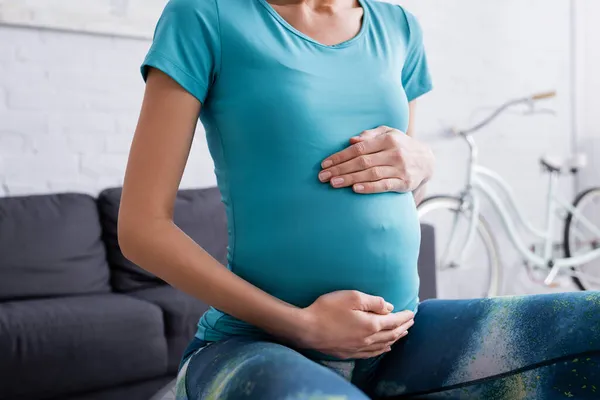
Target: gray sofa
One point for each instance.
(78, 321)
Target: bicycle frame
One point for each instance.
(483, 181)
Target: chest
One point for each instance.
(328, 28)
(289, 91)
(264, 59)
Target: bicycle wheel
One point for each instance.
(477, 273)
(580, 239)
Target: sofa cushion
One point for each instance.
(51, 245)
(198, 212)
(133, 391)
(181, 313)
(55, 347)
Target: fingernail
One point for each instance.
(388, 349)
(389, 306)
(337, 181)
(323, 176)
(326, 163)
(359, 188)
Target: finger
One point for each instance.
(384, 345)
(374, 304)
(371, 133)
(382, 186)
(371, 354)
(390, 336)
(369, 146)
(395, 320)
(356, 139)
(370, 175)
(376, 347)
(382, 158)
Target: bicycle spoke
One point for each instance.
(476, 272)
(582, 237)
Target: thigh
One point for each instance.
(536, 345)
(246, 369)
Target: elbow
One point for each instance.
(136, 234)
(128, 233)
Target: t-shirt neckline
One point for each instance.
(364, 26)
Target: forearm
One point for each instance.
(164, 250)
(427, 165)
(427, 162)
(419, 193)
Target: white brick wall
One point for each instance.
(69, 102)
(68, 109)
(126, 17)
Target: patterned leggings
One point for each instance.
(530, 347)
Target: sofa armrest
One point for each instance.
(427, 270)
(181, 314)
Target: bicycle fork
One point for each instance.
(473, 207)
(472, 204)
(550, 211)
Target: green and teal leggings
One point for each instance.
(532, 347)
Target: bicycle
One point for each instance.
(466, 227)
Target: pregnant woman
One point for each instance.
(308, 107)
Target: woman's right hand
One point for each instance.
(349, 324)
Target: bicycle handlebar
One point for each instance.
(505, 106)
(544, 95)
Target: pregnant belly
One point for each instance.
(300, 246)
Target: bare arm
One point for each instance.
(147, 234)
(412, 107)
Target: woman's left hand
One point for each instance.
(379, 160)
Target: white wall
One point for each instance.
(68, 108)
(483, 53)
(69, 102)
(588, 89)
(127, 17)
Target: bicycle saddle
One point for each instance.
(553, 163)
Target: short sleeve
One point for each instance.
(186, 45)
(416, 79)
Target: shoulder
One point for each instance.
(202, 6)
(213, 12)
(190, 17)
(189, 10)
(395, 17)
(185, 6)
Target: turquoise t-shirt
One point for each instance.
(275, 104)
